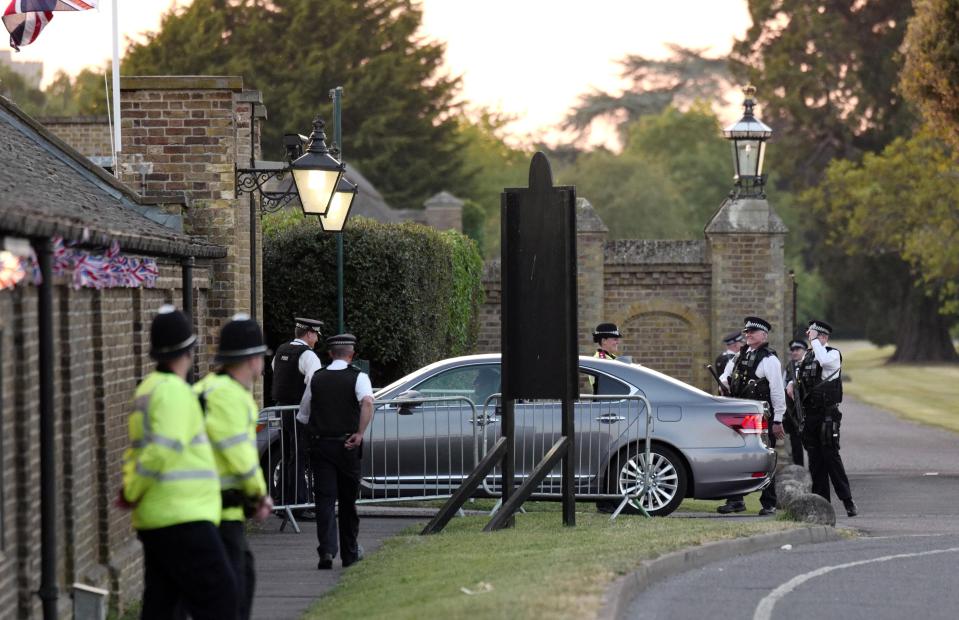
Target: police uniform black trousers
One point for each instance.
(241, 560)
(186, 569)
(825, 464)
(336, 477)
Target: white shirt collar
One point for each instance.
(337, 365)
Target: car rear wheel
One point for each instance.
(272, 463)
(667, 477)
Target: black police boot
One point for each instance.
(326, 562)
(729, 507)
(770, 510)
(851, 509)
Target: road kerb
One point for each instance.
(619, 595)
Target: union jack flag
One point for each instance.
(24, 19)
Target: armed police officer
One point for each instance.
(293, 366)
(337, 407)
(792, 422)
(734, 343)
(820, 392)
(170, 481)
(756, 374)
(607, 338)
(231, 414)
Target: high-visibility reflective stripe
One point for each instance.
(199, 439)
(142, 403)
(183, 474)
(235, 480)
(223, 444)
(139, 443)
(173, 444)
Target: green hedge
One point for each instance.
(411, 293)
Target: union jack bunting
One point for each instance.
(24, 19)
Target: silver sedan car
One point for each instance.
(432, 426)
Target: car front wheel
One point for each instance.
(667, 479)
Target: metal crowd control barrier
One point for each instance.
(415, 449)
(423, 448)
(612, 450)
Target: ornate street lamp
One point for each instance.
(316, 173)
(335, 217)
(748, 137)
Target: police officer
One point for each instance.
(607, 337)
(293, 366)
(734, 343)
(797, 350)
(171, 483)
(231, 414)
(820, 391)
(337, 407)
(755, 373)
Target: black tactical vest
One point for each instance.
(817, 395)
(744, 373)
(722, 360)
(288, 381)
(334, 409)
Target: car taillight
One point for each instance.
(260, 426)
(744, 423)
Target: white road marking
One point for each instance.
(764, 610)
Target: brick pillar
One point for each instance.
(591, 235)
(183, 135)
(745, 245)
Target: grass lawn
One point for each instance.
(926, 393)
(538, 569)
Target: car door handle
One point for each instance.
(610, 418)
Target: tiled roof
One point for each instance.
(49, 189)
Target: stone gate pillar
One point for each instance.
(183, 137)
(745, 245)
(591, 234)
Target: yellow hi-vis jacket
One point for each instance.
(231, 415)
(169, 471)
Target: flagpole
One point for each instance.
(116, 93)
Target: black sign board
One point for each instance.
(540, 355)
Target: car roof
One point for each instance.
(634, 374)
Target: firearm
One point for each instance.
(712, 371)
(800, 415)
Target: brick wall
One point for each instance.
(673, 300)
(100, 352)
(185, 135)
(88, 134)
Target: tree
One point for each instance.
(930, 75)
(826, 73)
(399, 108)
(493, 165)
(681, 79)
(16, 89)
(80, 96)
(903, 205)
(673, 173)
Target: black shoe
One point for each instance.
(767, 511)
(729, 507)
(851, 509)
(359, 556)
(304, 514)
(326, 562)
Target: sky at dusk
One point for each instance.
(526, 58)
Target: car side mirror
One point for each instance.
(407, 408)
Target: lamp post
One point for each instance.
(339, 208)
(748, 138)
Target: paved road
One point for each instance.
(905, 479)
